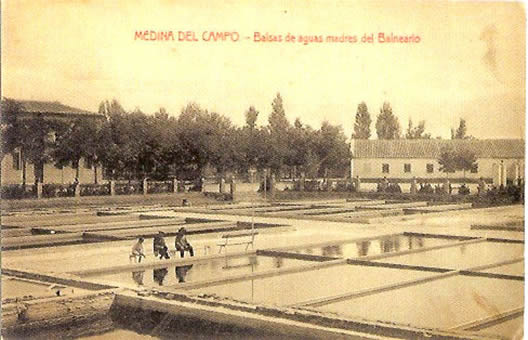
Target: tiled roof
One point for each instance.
(44, 107)
(432, 148)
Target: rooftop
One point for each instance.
(432, 148)
(52, 107)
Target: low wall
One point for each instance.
(57, 314)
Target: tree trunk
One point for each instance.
(95, 173)
(24, 172)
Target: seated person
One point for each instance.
(160, 247)
(137, 250)
(182, 244)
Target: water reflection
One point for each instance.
(158, 275)
(389, 244)
(234, 263)
(363, 248)
(138, 277)
(335, 250)
(181, 272)
(415, 242)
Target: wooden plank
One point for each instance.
(167, 229)
(115, 225)
(240, 234)
(37, 240)
(394, 205)
(479, 324)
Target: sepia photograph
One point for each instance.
(344, 169)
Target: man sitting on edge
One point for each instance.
(160, 247)
(182, 244)
(137, 250)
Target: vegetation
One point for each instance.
(417, 132)
(134, 145)
(462, 160)
(387, 124)
(362, 124)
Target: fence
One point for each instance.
(108, 188)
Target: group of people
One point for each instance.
(160, 246)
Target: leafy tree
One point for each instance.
(387, 124)
(32, 135)
(76, 140)
(279, 129)
(362, 124)
(332, 148)
(447, 160)
(248, 141)
(251, 118)
(461, 131)
(117, 155)
(301, 146)
(465, 160)
(417, 132)
(9, 126)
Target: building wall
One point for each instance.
(487, 168)
(12, 176)
(52, 174)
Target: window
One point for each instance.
(430, 168)
(16, 160)
(474, 170)
(407, 167)
(385, 168)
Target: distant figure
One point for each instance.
(138, 251)
(182, 244)
(73, 186)
(160, 247)
(481, 186)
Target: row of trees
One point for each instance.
(159, 146)
(388, 126)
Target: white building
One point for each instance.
(498, 160)
(12, 165)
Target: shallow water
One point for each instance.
(508, 329)
(463, 256)
(382, 245)
(438, 304)
(299, 287)
(217, 268)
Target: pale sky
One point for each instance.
(470, 62)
